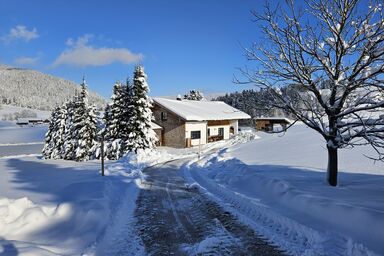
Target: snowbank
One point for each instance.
(50, 207)
(59, 207)
(276, 184)
(135, 163)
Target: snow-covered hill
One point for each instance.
(33, 89)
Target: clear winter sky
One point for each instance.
(183, 45)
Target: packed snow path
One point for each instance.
(173, 219)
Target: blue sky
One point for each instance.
(182, 44)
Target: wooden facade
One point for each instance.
(160, 135)
(218, 122)
(173, 133)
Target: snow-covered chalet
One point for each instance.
(186, 123)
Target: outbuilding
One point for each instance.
(269, 124)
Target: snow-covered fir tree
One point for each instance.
(54, 138)
(58, 134)
(85, 125)
(141, 135)
(115, 121)
(113, 113)
(69, 140)
(128, 93)
(49, 143)
(194, 95)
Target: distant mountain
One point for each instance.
(33, 89)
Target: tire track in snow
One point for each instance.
(173, 219)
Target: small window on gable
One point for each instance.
(195, 135)
(163, 116)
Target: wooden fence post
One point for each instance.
(102, 155)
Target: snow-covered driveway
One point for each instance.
(173, 218)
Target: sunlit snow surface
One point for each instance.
(277, 183)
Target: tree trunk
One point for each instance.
(332, 166)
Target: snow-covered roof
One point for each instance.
(274, 118)
(155, 126)
(193, 110)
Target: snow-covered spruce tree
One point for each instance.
(116, 118)
(194, 95)
(68, 151)
(106, 131)
(49, 143)
(84, 125)
(113, 119)
(126, 114)
(141, 134)
(58, 135)
(339, 44)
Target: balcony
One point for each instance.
(215, 138)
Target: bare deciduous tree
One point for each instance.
(327, 57)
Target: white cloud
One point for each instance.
(20, 32)
(26, 61)
(80, 53)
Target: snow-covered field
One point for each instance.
(277, 185)
(21, 140)
(16, 140)
(8, 110)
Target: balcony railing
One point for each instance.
(215, 138)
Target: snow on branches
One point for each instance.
(74, 134)
(141, 135)
(73, 129)
(194, 95)
(332, 59)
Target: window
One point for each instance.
(163, 116)
(221, 131)
(195, 135)
(209, 132)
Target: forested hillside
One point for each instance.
(254, 103)
(33, 89)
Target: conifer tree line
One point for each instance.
(256, 103)
(75, 130)
(194, 95)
